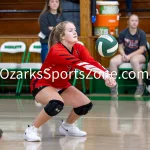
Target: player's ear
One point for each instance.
(61, 37)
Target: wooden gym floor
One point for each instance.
(121, 123)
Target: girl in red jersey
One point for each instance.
(51, 87)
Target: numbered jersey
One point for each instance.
(60, 64)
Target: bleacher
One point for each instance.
(20, 17)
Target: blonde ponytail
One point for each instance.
(52, 39)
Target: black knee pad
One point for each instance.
(54, 107)
(83, 110)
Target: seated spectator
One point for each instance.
(132, 48)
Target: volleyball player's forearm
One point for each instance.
(98, 72)
(90, 66)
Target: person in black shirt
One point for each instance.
(49, 18)
(132, 48)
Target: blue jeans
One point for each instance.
(44, 51)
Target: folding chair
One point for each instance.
(11, 55)
(29, 66)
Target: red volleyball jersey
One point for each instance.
(60, 64)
